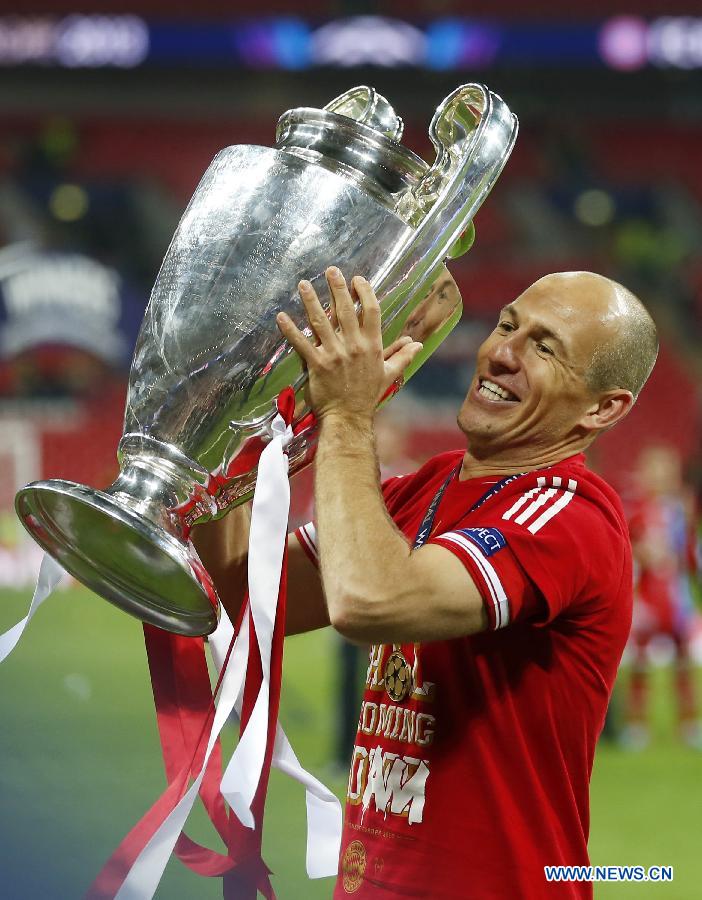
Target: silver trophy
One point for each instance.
(338, 187)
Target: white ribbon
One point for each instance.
(324, 814)
(147, 870)
(269, 525)
(268, 535)
(269, 522)
(50, 573)
(267, 543)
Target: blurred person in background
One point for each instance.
(663, 536)
(493, 585)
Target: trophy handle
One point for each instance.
(473, 131)
(367, 106)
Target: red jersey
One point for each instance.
(479, 778)
(662, 531)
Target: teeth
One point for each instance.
(490, 395)
(493, 391)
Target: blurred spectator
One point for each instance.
(662, 527)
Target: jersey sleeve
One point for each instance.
(506, 590)
(538, 555)
(307, 537)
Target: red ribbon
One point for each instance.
(185, 711)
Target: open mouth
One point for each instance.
(491, 391)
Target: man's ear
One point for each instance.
(607, 410)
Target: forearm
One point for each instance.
(365, 561)
(223, 547)
(377, 589)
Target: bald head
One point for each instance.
(624, 337)
(563, 364)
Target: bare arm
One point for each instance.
(377, 588)
(223, 547)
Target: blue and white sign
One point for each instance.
(65, 299)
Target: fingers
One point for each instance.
(333, 318)
(323, 325)
(396, 364)
(342, 301)
(369, 305)
(294, 336)
(318, 319)
(342, 315)
(395, 346)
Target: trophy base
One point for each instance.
(126, 559)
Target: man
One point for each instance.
(494, 586)
(662, 526)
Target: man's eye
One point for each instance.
(505, 326)
(544, 348)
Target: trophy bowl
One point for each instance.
(338, 186)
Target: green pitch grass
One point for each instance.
(80, 763)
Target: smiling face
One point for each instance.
(530, 388)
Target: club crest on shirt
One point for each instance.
(353, 866)
(490, 540)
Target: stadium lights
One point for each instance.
(68, 202)
(594, 207)
(74, 41)
(625, 43)
(369, 41)
(629, 42)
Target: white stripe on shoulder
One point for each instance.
(527, 495)
(487, 570)
(555, 508)
(540, 501)
(308, 533)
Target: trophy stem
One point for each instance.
(123, 543)
(156, 480)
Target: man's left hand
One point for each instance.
(348, 369)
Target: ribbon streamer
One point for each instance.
(243, 775)
(324, 813)
(146, 873)
(50, 574)
(269, 524)
(147, 869)
(159, 830)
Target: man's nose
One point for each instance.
(505, 352)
